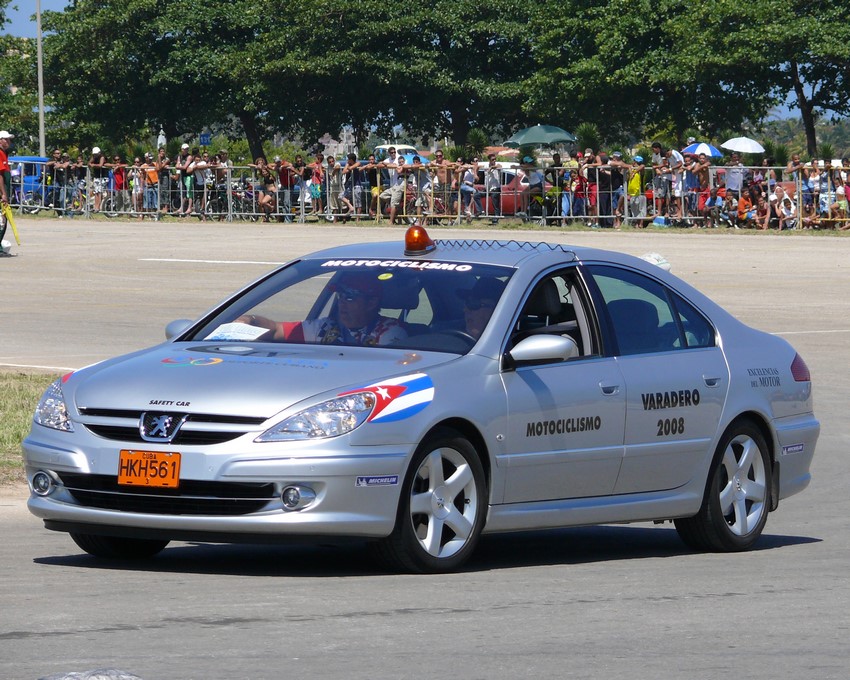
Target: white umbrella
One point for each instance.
(743, 145)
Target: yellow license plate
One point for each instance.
(149, 468)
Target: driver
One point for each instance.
(479, 303)
(356, 320)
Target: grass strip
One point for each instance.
(19, 395)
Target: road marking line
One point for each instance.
(837, 330)
(47, 368)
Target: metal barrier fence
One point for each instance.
(595, 195)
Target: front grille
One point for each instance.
(228, 427)
(184, 437)
(191, 498)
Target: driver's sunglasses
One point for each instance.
(474, 304)
(350, 294)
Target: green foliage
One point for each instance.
(588, 136)
(826, 150)
(476, 140)
(117, 70)
(18, 91)
(453, 153)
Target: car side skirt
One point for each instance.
(643, 507)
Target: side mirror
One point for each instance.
(176, 327)
(543, 349)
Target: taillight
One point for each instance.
(799, 370)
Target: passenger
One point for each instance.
(479, 303)
(356, 320)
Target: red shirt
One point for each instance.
(4, 162)
(120, 176)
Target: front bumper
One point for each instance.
(357, 495)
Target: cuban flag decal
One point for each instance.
(399, 398)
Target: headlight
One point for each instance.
(51, 410)
(328, 419)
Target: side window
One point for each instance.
(696, 330)
(639, 309)
(557, 306)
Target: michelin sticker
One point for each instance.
(385, 480)
(792, 449)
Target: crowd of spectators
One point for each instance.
(667, 187)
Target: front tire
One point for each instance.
(737, 500)
(116, 547)
(442, 509)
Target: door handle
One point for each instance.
(609, 389)
(711, 382)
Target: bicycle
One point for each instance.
(433, 212)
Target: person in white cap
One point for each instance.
(5, 184)
(100, 176)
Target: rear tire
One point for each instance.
(737, 499)
(116, 547)
(442, 508)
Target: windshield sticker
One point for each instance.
(399, 398)
(401, 264)
(237, 331)
(386, 480)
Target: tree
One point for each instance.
(18, 90)
(796, 46)
(624, 64)
(134, 65)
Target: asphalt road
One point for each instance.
(608, 602)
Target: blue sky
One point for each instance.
(21, 25)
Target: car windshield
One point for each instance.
(421, 305)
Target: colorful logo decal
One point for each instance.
(399, 398)
(193, 361)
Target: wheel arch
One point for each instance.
(466, 429)
(761, 423)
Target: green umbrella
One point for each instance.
(539, 135)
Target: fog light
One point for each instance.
(297, 497)
(42, 483)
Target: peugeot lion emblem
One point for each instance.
(160, 427)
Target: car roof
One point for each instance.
(528, 258)
(508, 253)
(397, 147)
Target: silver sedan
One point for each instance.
(416, 395)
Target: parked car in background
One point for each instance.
(27, 182)
(381, 150)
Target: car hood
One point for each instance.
(237, 379)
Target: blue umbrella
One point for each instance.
(702, 147)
